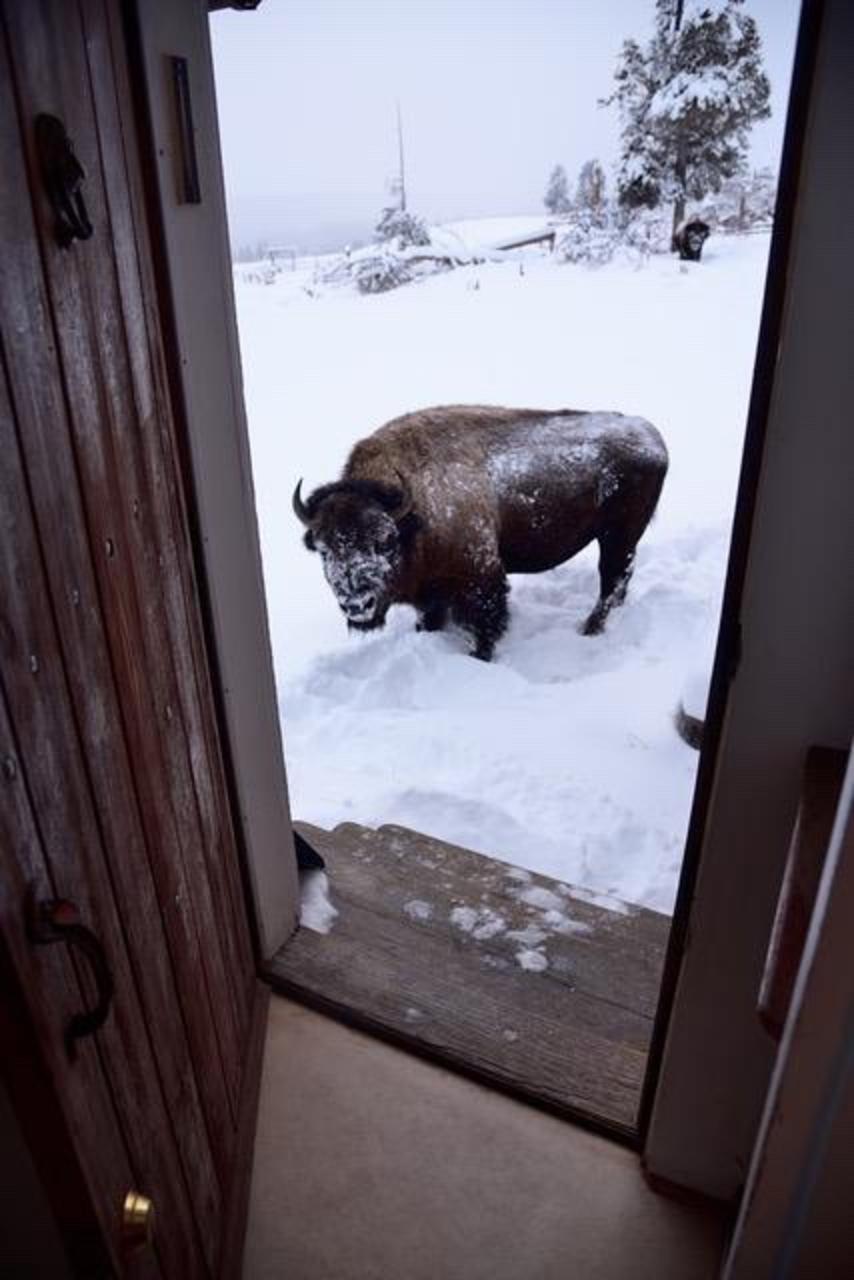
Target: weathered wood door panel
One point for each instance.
(50, 994)
(120, 802)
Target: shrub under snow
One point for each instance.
(596, 241)
(582, 239)
(380, 272)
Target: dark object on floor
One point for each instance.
(436, 508)
(497, 972)
(308, 859)
(689, 728)
(689, 238)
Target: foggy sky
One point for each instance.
(493, 93)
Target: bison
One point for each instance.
(689, 238)
(437, 507)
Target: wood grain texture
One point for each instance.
(111, 726)
(79, 602)
(87, 1169)
(118, 133)
(118, 422)
(51, 759)
(404, 959)
(87, 800)
(192, 267)
(237, 1201)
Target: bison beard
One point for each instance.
(437, 507)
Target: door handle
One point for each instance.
(58, 920)
(63, 177)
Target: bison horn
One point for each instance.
(300, 509)
(405, 505)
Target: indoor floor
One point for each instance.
(371, 1164)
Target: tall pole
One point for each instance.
(401, 178)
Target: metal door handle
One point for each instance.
(63, 177)
(58, 920)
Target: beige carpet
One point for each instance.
(373, 1165)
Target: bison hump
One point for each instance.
(574, 450)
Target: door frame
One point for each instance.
(783, 680)
(193, 277)
(794, 1215)
(703, 1001)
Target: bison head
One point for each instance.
(360, 530)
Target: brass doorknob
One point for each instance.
(137, 1221)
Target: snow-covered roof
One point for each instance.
(489, 233)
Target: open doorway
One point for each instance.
(561, 757)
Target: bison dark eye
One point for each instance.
(384, 542)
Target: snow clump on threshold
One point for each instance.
(316, 909)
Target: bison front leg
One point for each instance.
(432, 613)
(480, 608)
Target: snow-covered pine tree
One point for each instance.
(402, 227)
(557, 199)
(590, 191)
(687, 101)
(745, 201)
(761, 196)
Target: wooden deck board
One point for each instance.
(426, 950)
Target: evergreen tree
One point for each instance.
(743, 202)
(687, 101)
(760, 195)
(403, 227)
(590, 192)
(557, 198)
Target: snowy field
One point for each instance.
(561, 755)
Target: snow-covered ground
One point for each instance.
(561, 755)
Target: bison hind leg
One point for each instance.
(632, 512)
(616, 562)
(481, 610)
(614, 585)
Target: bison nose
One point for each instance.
(360, 606)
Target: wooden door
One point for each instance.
(113, 792)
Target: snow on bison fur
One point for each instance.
(437, 507)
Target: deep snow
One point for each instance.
(561, 755)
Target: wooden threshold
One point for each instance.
(509, 976)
